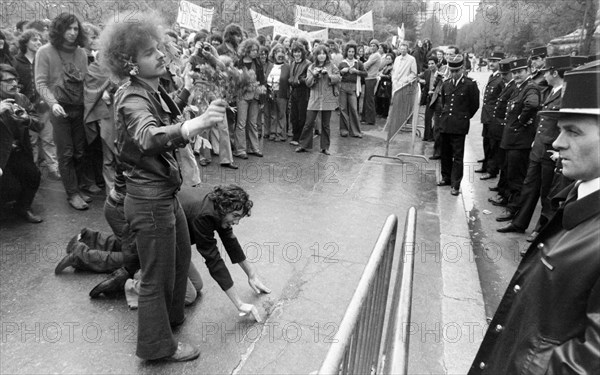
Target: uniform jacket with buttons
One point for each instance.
(499, 113)
(523, 106)
(490, 97)
(548, 321)
(547, 128)
(148, 132)
(538, 79)
(460, 102)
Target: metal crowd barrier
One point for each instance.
(373, 335)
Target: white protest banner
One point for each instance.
(194, 17)
(291, 31)
(315, 17)
(279, 28)
(319, 34)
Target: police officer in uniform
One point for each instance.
(537, 59)
(442, 74)
(548, 320)
(460, 102)
(493, 88)
(540, 171)
(519, 132)
(497, 162)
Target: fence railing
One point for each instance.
(372, 337)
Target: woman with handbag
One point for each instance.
(323, 78)
(60, 68)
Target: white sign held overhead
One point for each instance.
(315, 17)
(194, 17)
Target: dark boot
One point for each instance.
(113, 284)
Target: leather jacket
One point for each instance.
(149, 131)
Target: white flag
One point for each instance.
(401, 33)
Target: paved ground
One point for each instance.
(313, 226)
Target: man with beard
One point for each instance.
(19, 176)
(60, 67)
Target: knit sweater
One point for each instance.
(49, 67)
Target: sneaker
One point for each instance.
(294, 143)
(184, 352)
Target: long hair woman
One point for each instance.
(278, 87)
(246, 129)
(300, 93)
(351, 70)
(323, 78)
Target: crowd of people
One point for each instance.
(129, 108)
(296, 87)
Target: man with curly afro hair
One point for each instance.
(149, 129)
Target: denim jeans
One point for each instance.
(306, 139)
(163, 244)
(69, 137)
(349, 122)
(278, 107)
(246, 130)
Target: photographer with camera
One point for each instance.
(205, 54)
(19, 176)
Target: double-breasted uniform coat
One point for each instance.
(518, 135)
(491, 94)
(460, 102)
(540, 171)
(548, 321)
